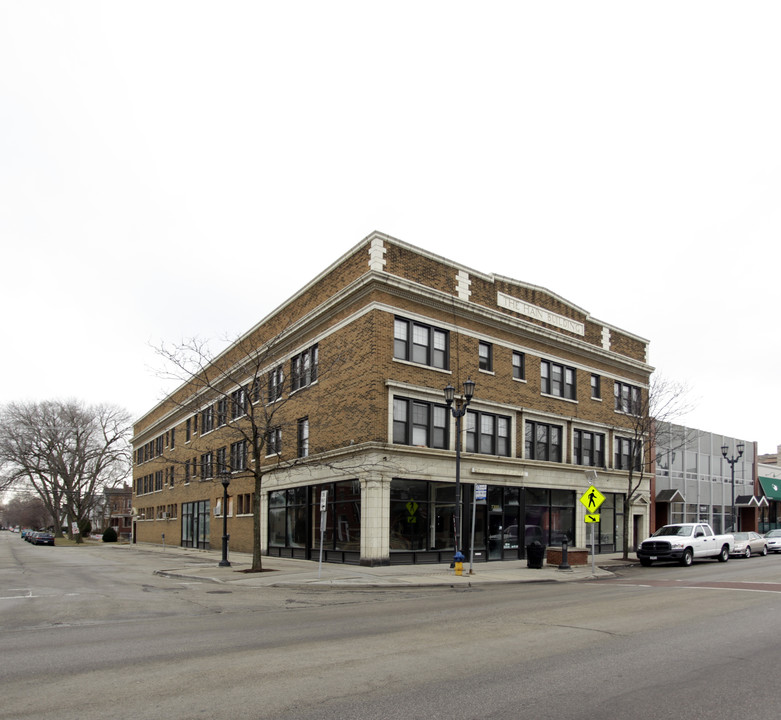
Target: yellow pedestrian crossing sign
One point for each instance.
(592, 518)
(592, 499)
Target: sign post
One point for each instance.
(323, 510)
(479, 493)
(592, 499)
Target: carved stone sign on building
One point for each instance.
(533, 311)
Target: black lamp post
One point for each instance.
(458, 407)
(732, 460)
(225, 479)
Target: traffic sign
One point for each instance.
(592, 499)
(592, 518)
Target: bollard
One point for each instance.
(564, 564)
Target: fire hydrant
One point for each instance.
(458, 561)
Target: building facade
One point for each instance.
(344, 385)
(694, 480)
(770, 482)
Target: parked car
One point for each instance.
(42, 537)
(773, 539)
(684, 542)
(748, 544)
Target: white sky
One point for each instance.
(170, 169)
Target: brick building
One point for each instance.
(344, 382)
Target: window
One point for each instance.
(421, 344)
(627, 454)
(187, 430)
(244, 504)
(222, 412)
(239, 456)
(543, 441)
(187, 472)
(487, 433)
(238, 403)
(303, 438)
(276, 379)
(170, 476)
(596, 387)
(207, 420)
(274, 441)
(519, 365)
(627, 398)
(207, 466)
(589, 448)
(558, 380)
(486, 355)
(173, 438)
(158, 480)
(222, 460)
(304, 368)
(420, 423)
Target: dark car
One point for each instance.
(42, 538)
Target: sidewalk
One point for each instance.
(203, 566)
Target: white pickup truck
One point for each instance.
(684, 542)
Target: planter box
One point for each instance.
(575, 556)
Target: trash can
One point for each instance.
(535, 554)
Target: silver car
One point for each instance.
(773, 540)
(748, 544)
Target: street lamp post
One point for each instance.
(225, 479)
(457, 407)
(732, 460)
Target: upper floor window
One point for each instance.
(238, 403)
(303, 437)
(222, 412)
(627, 398)
(173, 438)
(628, 454)
(558, 380)
(416, 422)
(207, 419)
(239, 456)
(487, 433)
(543, 441)
(486, 354)
(589, 448)
(276, 380)
(596, 387)
(274, 441)
(519, 365)
(187, 430)
(420, 343)
(207, 466)
(222, 461)
(304, 368)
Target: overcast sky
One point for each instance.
(170, 169)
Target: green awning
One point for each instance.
(771, 487)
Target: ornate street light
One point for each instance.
(457, 407)
(732, 460)
(225, 479)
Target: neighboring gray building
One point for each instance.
(694, 480)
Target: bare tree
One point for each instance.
(67, 452)
(251, 399)
(26, 510)
(660, 405)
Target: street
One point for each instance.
(91, 632)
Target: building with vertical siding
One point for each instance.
(354, 367)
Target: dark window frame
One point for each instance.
(560, 388)
(553, 451)
(429, 354)
(404, 430)
(488, 443)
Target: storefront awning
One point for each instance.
(771, 488)
(747, 501)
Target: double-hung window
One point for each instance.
(589, 448)
(239, 456)
(238, 403)
(303, 437)
(487, 433)
(416, 422)
(557, 379)
(627, 454)
(486, 356)
(543, 441)
(422, 344)
(519, 365)
(207, 420)
(627, 398)
(222, 412)
(276, 379)
(222, 461)
(274, 441)
(304, 368)
(207, 466)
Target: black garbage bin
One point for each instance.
(535, 554)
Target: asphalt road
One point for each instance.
(92, 633)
